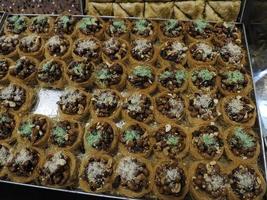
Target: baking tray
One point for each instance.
(258, 127)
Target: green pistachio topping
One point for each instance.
(172, 140)
(246, 140)
(165, 75)
(234, 77)
(19, 23)
(141, 25)
(48, 66)
(208, 139)
(26, 128)
(93, 137)
(103, 74)
(60, 134)
(87, 21)
(64, 20)
(200, 25)
(79, 69)
(40, 20)
(143, 71)
(203, 74)
(4, 119)
(180, 76)
(171, 24)
(118, 25)
(131, 135)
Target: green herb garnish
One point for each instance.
(234, 77)
(172, 140)
(26, 128)
(60, 135)
(131, 135)
(143, 71)
(93, 138)
(246, 140)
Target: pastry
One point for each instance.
(99, 9)
(171, 29)
(16, 24)
(5, 152)
(190, 9)
(158, 10)
(117, 28)
(41, 25)
(144, 28)
(65, 24)
(8, 44)
(5, 65)
(129, 9)
(8, 126)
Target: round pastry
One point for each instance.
(79, 73)
(201, 53)
(171, 29)
(242, 144)
(16, 97)
(8, 126)
(58, 46)
(135, 139)
(31, 45)
(142, 78)
(172, 79)
(173, 52)
(170, 180)
(101, 135)
(115, 49)
(16, 24)
(59, 169)
(86, 48)
(204, 79)
(65, 25)
(144, 28)
(91, 26)
(232, 55)
(117, 28)
(106, 103)
(169, 107)
(207, 142)
(202, 108)
(8, 46)
(238, 110)
(234, 81)
(41, 25)
(171, 141)
(138, 106)
(246, 182)
(108, 75)
(51, 73)
(34, 130)
(24, 163)
(225, 32)
(5, 65)
(208, 181)
(132, 176)
(96, 173)
(199, 30)
(143, 50)
(73, 104)
(66, 134)
(5, 152)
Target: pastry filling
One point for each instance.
(174, 51)
(200, 29)
(100, 136)
(64, 133)
(226, 32)
(141, 77)
(72, 102)
(132, 174)
(33, 129)
(233, 81)
(204, 79)
(88, 48)
(170, 140)
(172, 78)
(80, 71)
(203, 106)
(171, 106)
(24, 68)
(65, 24)
(31, 43)
(139, 107)
(4, 67)
(7, 125)
(105, 102)
(109, 74)
(24, 162)
(245, 182)
(4, 156)
(239, 109)
(135, 139)
(231, 53)
(210, 179)
(117, 28)
(115, 49)
(208, 141)
(97, 172)
(142, 50)
(56, 170)
(13, 96)
(40, 24)
(17, 24)
(202, 52)
(172, 28)
(58, 45)
(50, 71)
(90, 25)
(242, 143)
(170, 179)
(143, 27)
(8, 44)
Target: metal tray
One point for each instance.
(258, 127)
